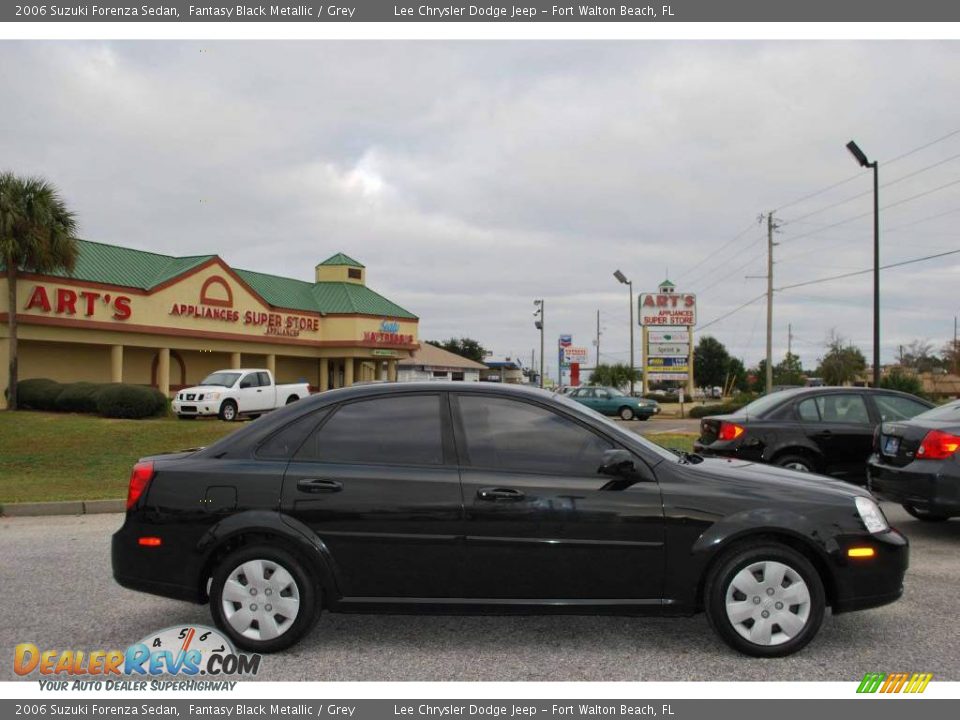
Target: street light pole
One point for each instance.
(623, 280)
(539, 325)
(864, 162)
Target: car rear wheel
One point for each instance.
(626, 413)
(228, 411)
(796, 461)
(263, 598)
(924, 515)
(765, 601)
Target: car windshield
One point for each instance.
(762, 404)
(950, 411)
(226, 379)
(613, 427)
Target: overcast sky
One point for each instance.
(473, 177)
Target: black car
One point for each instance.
(916, 464)
(423, 497)
(827, 430)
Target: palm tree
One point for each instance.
(37, 234)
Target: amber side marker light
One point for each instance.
(861, 552)
(150, 541)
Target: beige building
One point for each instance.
(434, 363)
(131, 316)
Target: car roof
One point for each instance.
(389, 388)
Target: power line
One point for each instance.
(701, 328)
(869, 270)
(860, 174)
(720, 249)
(726, 277)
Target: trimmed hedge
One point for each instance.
(38, 394)
(130, 401)
(701, 411)
(115, 400)
(80, 397)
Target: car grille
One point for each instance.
(188, 408)
(191, 396)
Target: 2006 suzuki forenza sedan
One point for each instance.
(480, 498)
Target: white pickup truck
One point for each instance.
(232, 393)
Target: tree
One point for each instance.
(918, 356)
(711, 362)
(37, 234)
(898, 379)
(842, 362)
(464, 347)
(951, 357)
(788, 371)
(617, 375)
(738, 375)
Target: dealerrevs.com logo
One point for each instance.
(894, 682)
(185, 651)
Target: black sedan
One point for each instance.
(916, 463)
(426, 497)
(827, 430)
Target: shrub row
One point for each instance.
(113, 400)
(726, 408)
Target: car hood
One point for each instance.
(769, 476)
(203, 389)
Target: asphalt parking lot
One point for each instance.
(58, 593)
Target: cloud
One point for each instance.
(472, 177)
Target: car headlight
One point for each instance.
(872, 515)
(213, 396)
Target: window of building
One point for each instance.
(354, 273)
(509, 435)
(396, 430)
(440, 373)
(456, 376)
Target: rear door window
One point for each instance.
(843, 408)
(807, 410)
(264, 379)
(894, 407)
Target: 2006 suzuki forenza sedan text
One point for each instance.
(479, 498)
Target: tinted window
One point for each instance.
(396, 430)
(249, 381)
(843, 408)
(284, 443)
(506, 434)
(762, 404)
(807, 410)
(264, 379)
(894, 407)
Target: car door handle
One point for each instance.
(259, 390)
(315, 485)
(497, 494)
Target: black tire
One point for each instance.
(626, 413)
(306, 586)
(741, 557)
(925, 515)
(228, 411)
(292, 399)
(798, 461)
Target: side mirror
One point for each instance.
(617, 462)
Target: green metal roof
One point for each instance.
(667, 283)
(115, 265)
(342, 260)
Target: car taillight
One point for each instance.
(938, 445)
(730, 431)
(139, 479)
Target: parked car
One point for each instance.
(231, 394)
(463, 497)
(610, 401)
(915, 463)
(827, 430)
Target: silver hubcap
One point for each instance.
(626, 414)
(261, 599)
(768, 603)
(797, 466)
(228, 412)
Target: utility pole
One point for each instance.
(538, 324)
(771, 226)
(956, 361)
(598, 337)
(789, 339)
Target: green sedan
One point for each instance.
(611, 401)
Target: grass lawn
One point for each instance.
(56, 456)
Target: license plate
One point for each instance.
(891, 445)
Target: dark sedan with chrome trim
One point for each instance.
(917, 463)
(470, 497)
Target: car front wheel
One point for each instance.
(765, 601)
(228, 411)
(626, 413)
(263, 598)
(796, 461)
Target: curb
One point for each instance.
(62, 507)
